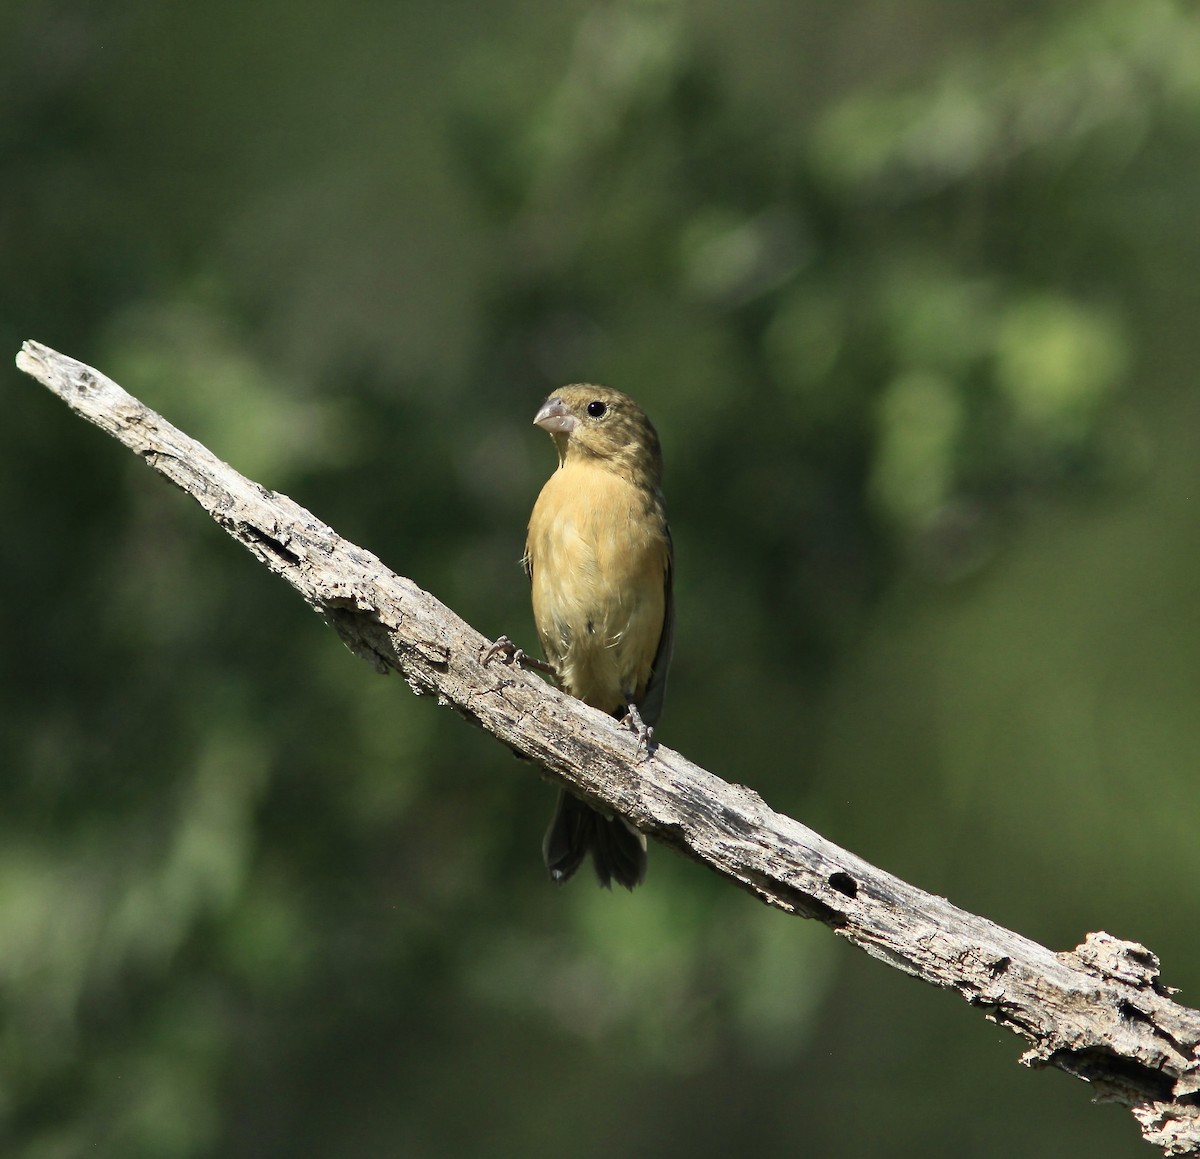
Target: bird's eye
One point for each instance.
(596, 409)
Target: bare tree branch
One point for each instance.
(1098, 1012)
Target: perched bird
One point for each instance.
(599, 561)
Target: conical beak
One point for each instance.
(555, 418)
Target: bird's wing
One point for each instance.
(651, 703)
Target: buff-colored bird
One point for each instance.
(599, 561)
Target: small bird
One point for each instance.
(599, 560)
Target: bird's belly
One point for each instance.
(598, 600)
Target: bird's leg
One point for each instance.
(639, 728)
(507, 652)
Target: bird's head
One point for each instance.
(605, 425)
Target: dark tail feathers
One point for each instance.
(618, 850)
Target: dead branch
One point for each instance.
(1098, 1012)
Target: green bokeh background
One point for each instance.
(910, 293)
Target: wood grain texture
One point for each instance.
(1099, 1012)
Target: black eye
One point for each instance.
(597, 409)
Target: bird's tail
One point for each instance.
(618, 850)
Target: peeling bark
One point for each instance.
(1099, 1012)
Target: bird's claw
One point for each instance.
(640, 729)
(507, 652)
(503, 650)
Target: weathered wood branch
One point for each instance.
(1098, 1012)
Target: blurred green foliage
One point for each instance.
(908, 291)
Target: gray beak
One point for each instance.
(555, 418)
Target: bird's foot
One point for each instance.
(640, 729)
(507, 652)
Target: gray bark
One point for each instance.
(1099, 1012)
